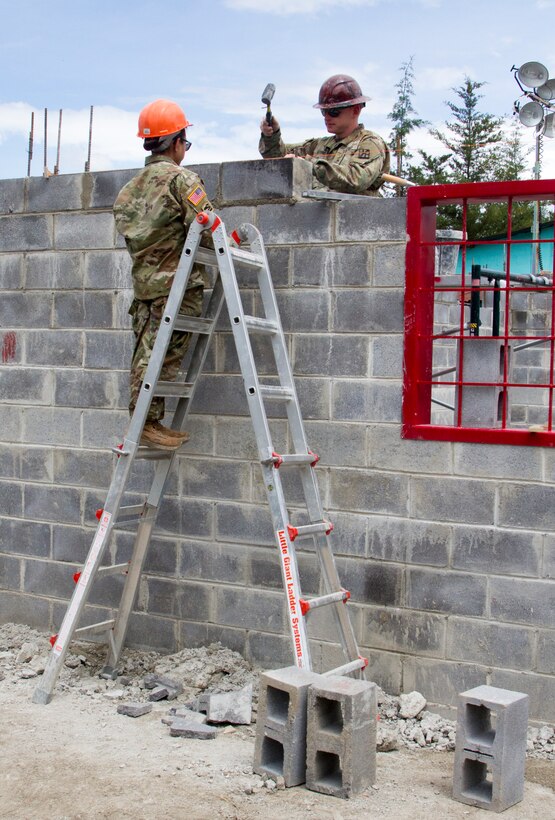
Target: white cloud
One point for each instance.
(285, 7)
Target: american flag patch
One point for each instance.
(197, 195)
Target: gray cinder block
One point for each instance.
(280, 745)
(490, 749)
(227, 707)
(341, 736)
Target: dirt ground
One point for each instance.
(77, 758)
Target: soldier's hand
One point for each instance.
(268, 130)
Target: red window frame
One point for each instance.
(421, 290)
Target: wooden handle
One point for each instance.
(397, 180)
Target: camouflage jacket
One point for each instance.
(351, 165)
(153, 213)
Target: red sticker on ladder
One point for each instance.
(291, 598)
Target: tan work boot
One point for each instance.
(182, 436)
(155, 435)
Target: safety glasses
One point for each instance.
(334, 112)
(187, 143)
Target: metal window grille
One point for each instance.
(479, 360)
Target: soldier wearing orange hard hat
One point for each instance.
(153, 213)
(353, 159)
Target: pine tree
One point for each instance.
(404, 119)
(471, 136)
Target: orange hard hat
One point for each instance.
(161, 117)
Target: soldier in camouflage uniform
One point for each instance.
(353, 159)
(153, 212)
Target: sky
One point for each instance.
(215, 58)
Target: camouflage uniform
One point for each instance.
(153, 212)
(351, 165)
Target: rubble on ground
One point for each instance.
(190, 678)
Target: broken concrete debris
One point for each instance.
(134, 710)
(186, 728)
(227, 707)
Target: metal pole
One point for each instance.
(536, 220)
(88, 162)
(57, 166)
(45, 165)
(30, 149)
(475, 301)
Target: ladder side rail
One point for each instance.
(242, 342)
(289, 566)
(296, 427)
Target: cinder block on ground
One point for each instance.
(490, 749)
(280, 745)
(341, 736)
(153, 680)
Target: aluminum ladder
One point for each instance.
(143, 515)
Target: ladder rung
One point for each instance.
(247, 258)
(172, 389)
(206, 257)
(352, 666)
(113, 569)
(277, 392)
(324, 600)
(258, 325)
(193, 324)
(309, 529)
(292, 458)
(101, 626)
(133, 514)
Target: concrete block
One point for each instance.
(263, 180)
(370, 311)
(386, 357)
(153, 680)
(341, 736)
(305, 222)
(227, 707)
(184, 601)
(313, 266)
(48, 271)
(490, 643)
(251, 609)
(517, 600)
(10, 572)
(56, 193)
(316, 355)
(280, 744)
(18, 608)
(47, 425)
(416, 542)
(527, 506)
(25, 386)
(500, 552)
(389, 266)
(212, 562)
(504, 462)
(16, 307)
(539, 688)
(161, 693)
(454, 499)
(304, 310)
(24, 537)
(456, 592)
(102, 187)
(244, 523)
(108, 350)
(546, 651)
(57, 348)
(84, 231)
(366, 400)
(49, 579)
(220, 395)
(11, 272)
(87, 310)
(134, 710)
(11, 196)
(108, 269)
(79, 388)
(369, 491)
(490, 748)
(371, 220)
(385, 446)
(185, 516)
(26, 233)
(352, 266)
(216, 479)
(182, 727)
(183, 713)
(371, 582)
(11, 499)
(150, 632)
(58, 504)
(403, 630)
(482, 361)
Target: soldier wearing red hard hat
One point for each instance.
(153, 213)
(353, 159)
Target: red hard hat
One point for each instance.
(340, 91)
(160, 118)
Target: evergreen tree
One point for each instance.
(471, 136)
(404, 119)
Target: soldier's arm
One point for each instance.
(355, 173)
(272, 147)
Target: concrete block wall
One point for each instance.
(448, 549)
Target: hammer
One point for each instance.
(267, 96)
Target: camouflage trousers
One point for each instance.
(146, 319)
